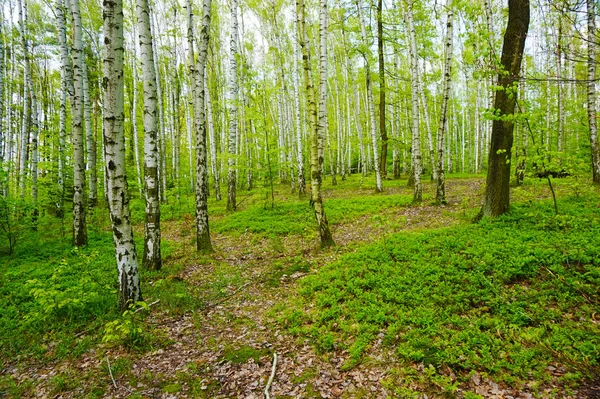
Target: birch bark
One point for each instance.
(197, 75)
(440, 193)
(591, 90)
(370, 101)
(233, 108)
(316, 133)
(114, 156)
(152, 255)
(79, 227)
(416, 140)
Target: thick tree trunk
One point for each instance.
(233, 108)
(592, 109)
(497, 199)
(114, 156)
(440, 193)
(197, 77)
(79, 227)
(316, 132)
(152, 255)
(370, 101)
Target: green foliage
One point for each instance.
(127, 330)
(507, 297)
(243, 354)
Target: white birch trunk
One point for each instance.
(213, 141)
(316, 128)
(114, 156)
(416, 141)
(152, 255)
(90, 143)
(299, 149)
(591, 90)
(197, 77)
(79, 227)
(233, 110)
(134, 127)
(370, 101)
(26, 103)
(440, 194)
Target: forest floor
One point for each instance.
(223, 344)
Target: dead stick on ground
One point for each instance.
(271, 377)
(149, 305)
(110, 373)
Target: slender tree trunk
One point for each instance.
(370, 106)
(440, 194)
(161, 147)
(90, 143)
(114, 156)
(66, 74)
(233, 108)
(382, 90)
(425, 105)
(26, 98)
(79, 227)
(497, 199)
(559, 91)
(299, 149)
(416, 140)
(592, 108)
(197, 77)
(152, 256)
(34, 154)
(316, 129)
(216, 170)
(2, 133)
(134, 106)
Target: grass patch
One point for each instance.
(507, 297)
(243, 354)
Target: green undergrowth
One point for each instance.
(59, 301)
(297, 217)
(506, 297)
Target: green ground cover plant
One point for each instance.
(507, 297)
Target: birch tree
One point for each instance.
(114, 156)
(152, 255)
(297, 119)
(66, 88)
(370, 106)
(440, 192)
(233, 108)
(316, 132)
(197, 76)
(26, 123)
(591, 90)
(79, 227)
(416, 140)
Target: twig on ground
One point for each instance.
(267, 396)
(149, 305)
(110, 373)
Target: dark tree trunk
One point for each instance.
(497, 200)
